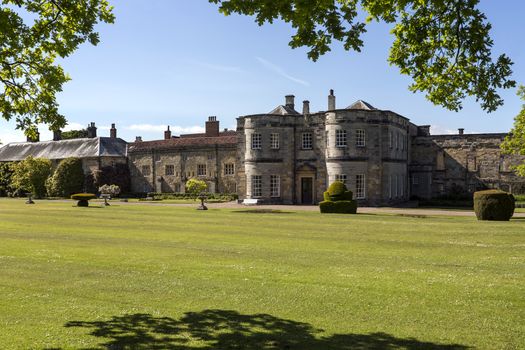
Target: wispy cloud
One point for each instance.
(159, 128)
(279, 70)
(219, 67)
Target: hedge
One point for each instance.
(339, 207)
(494, 205)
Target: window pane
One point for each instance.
(275, 186)
(307, 140)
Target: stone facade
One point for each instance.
(450, 164)
(166, 165)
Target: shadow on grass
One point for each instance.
(225, 329)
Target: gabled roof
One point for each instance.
(284, 110)
(362, 105)
(80, 148)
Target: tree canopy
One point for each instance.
(443, 45)
(33, 34)
(515, 141)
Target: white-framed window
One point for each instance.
(146, 170)
(275, 186)
(340, 138)
(256, 141)
(229, 169)
(169, 170)
(307, 140)
(341, 178)
(256, 185)
(201, 170)
(274, 141)
(360, 138)
(360, 186)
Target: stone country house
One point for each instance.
(290, 157)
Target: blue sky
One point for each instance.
(175, 63)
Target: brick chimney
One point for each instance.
(138, 138)
(461, 131)
(113, 132)
(57, 135)
(290, 101)
(167, 133)
(331, 101)
(91, 130)
(212, 127)
(306, 107)
(423, 130)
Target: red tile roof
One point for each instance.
(198, 141)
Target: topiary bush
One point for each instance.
(338, 199)
(494, 205)
(83, 198)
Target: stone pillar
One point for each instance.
(306, 107)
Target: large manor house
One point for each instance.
(290, 157)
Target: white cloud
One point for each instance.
(439, 130)
(159, 128)
(279, 70)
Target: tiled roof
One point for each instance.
(222, 133)
(284, 110)
(80, 148)
(360, 104)
(199, 141)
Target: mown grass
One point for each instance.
(155, 277)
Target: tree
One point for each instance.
(29, 76)
(74, 134)
(443, 45)
(30, 175)
(6, 172)
(195, 187)
(67, 179)
(515, 141)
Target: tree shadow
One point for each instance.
(228, 330)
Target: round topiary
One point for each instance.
(494, 205)
(337, 191)
(83, 198)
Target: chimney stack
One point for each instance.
(306, 107)
(461, 131)
(331, 101)
(138, 138)
(290, 101)
(57, 135)
(167, 134)
(113, 132)
(92, 131)
(212, 127)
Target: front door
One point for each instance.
(307, 190)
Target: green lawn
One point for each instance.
(155, 277)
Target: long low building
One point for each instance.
(291, 157)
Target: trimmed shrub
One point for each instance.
(83, 198)
(67, 179)
(494, 205)
(337, 199)
(339, 207)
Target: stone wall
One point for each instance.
(442, 165)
